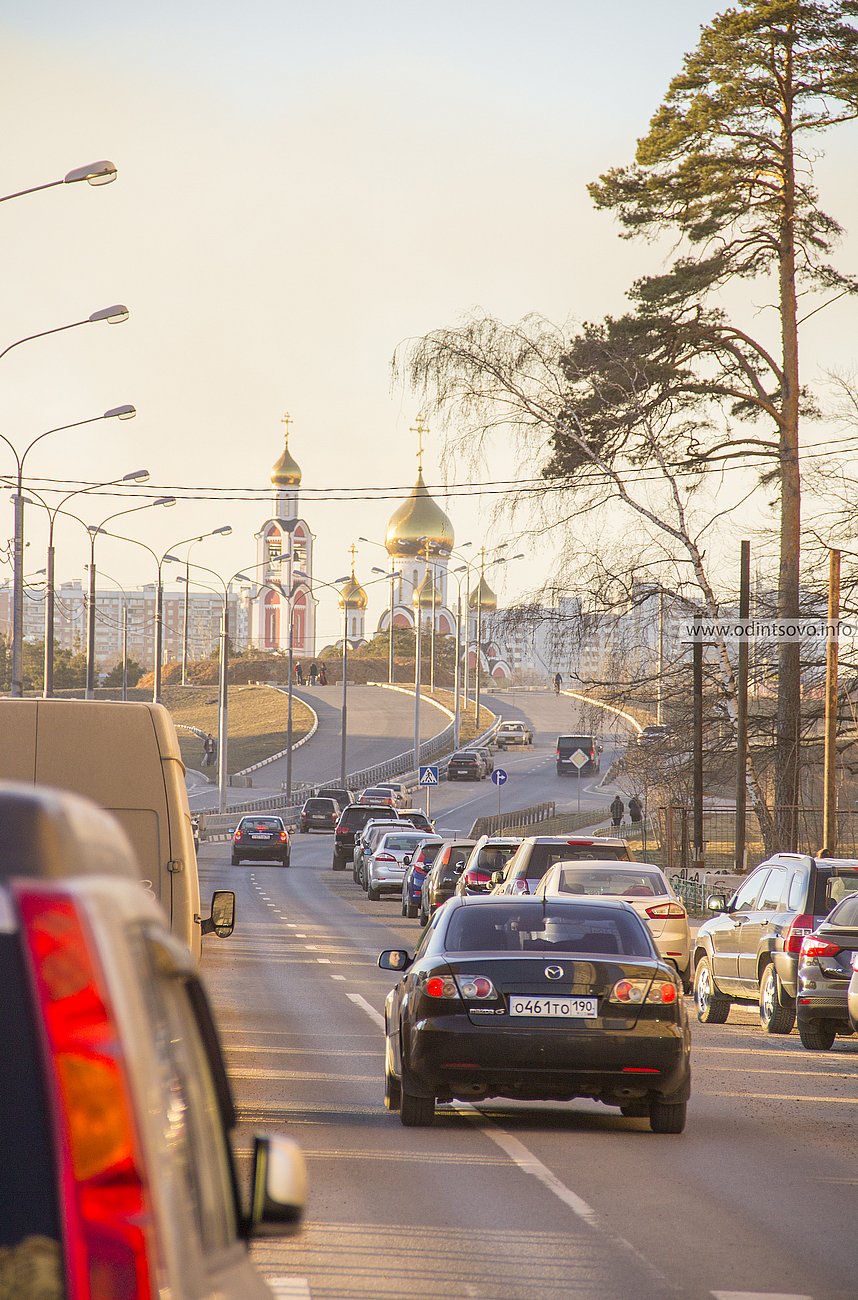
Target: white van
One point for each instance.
(125, 757)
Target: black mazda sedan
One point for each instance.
(537, 1000)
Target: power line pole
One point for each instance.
(742, 712)
(829, 783)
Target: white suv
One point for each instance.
(116, 1171)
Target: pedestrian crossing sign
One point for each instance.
(428, 776)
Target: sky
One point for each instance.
(301, 188)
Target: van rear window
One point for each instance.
(29, 1222)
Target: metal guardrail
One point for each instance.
(516, 818)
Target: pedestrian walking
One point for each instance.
(299, 673)
(558, 682)
(323, 674)
(635, 810)
(209, 748)
(617, 810)
(313, 673)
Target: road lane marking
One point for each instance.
(339, 977)
(305, 1051)
(529, 1163)
(289, 1288)
(361, 1002)
(773, 1051)
(297, 1076)
(778, 1096)
(757, 1295)
(323, 961)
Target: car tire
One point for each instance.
(667, 1116)
(402, 911)
(713, 1007)
(338, 865)
(372, 894)
(287, 861)
(392, 1091)
(411, 911)
(414, 1111)
(777, 1011)
(235, 860)
(817, 1035)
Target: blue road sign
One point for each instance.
(499, 776)
(428, 776)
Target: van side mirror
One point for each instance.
(406, 861)
(716, 903)
(222, 919)
(497, 878)
(278, 1188)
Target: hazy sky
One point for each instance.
(301, 187)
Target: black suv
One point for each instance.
(749, 951)
(466, 765)
(353, 819)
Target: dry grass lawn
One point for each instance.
(257, 722)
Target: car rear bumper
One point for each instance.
(262, 851)
(449, 1055)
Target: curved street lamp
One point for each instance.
(97, 173)
(115, 412)
(223, 531)
(94, 531)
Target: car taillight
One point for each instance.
(520, 886)
(813, 947)
(643, 990)
(665, 909)
(799, 928)
(103, 1192)
(475, 987)
(441, 986)
(237, 836)
(283, 837)
(341, 830)
(384, 857)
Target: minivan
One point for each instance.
(577, 755)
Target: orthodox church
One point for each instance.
(420, 542)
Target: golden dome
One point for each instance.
(418, 517)
(353, 594)
(423, 594)
(286, 472)
(484, 594)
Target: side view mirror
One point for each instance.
(497, 878)
(278, 1186)
(395, 959)
(222, 919)
(406, 861)
(716, 903)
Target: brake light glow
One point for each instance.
(813, 947)
(665, 909)
(283, 837)
(638, 990)
(800, 927)
(104, 1197)
(441, 986)
(237, 836)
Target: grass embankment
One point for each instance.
(257, 722)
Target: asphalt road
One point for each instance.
(507, 1200)
(380, 726)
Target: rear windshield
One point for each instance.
(846, 913)
(833, 885)
(29, 1224)
(357, 815)
(575, 742)
(319, 805)
(402, 843)
(429, 852)
(629, 884)
(528, 927)
(261, 824)
(494, 857)
(417, 819)
(458, 853)
(544, 856)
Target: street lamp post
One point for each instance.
(391, 666)
(159, 605)
(223, 531)
(120, 412)
(97, 173)
(94, 530)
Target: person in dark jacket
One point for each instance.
(635, 810)
(617, 810)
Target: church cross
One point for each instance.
(287, 420)
(420, 428)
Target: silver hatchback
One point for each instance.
(385, 867)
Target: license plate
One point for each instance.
(554, 1008)
(260, 837)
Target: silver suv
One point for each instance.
(116, 1161)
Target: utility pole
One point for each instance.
(697, 795)
(742, 712)
(829, 783)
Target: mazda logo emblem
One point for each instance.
(554, 972)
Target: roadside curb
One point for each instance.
(284, 752)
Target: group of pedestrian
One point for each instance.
(315, 673)
(618, 809)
